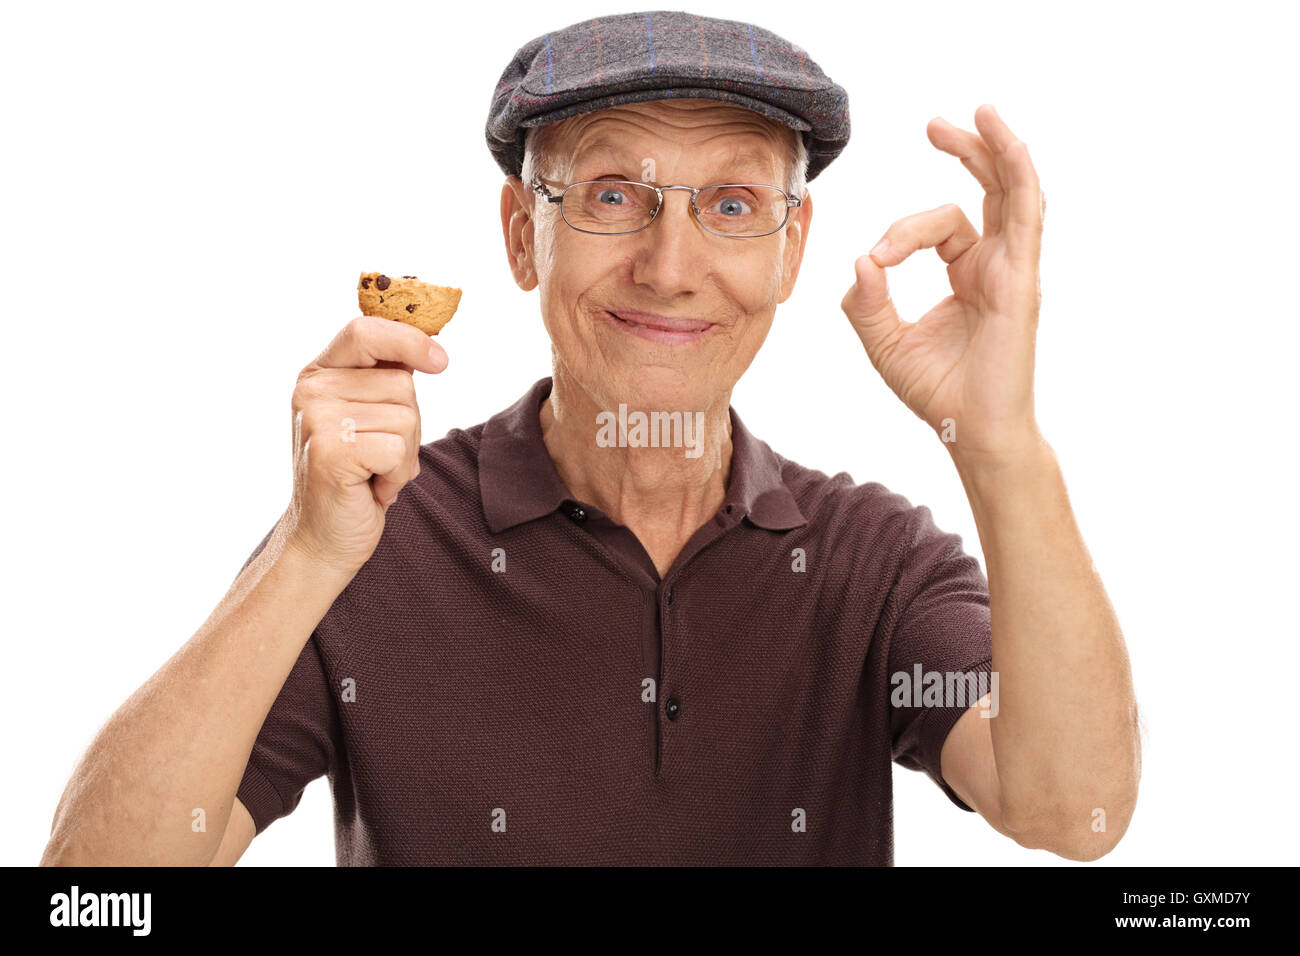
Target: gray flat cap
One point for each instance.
(633, 57)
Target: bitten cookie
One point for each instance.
(427, 307)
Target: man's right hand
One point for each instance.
(356, 437)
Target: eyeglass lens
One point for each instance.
(611, 206)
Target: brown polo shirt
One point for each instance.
(508, 680)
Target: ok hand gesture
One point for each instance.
(967, 366)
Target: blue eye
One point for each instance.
(731, 203)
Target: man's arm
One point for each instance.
(239, 834)
(182, 741)
(1064, 747)
(1058, 766)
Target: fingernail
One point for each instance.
(880, 248)
(437, 357)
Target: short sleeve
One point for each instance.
(941, 646)
(298, 739)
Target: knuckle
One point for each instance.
(358, 330)
(406, 387)
(305, 392)
(397, 385)
(303, 387)
(395, 446)
(309, 415)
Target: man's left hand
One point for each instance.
(967, 366)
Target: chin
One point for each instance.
(662, 387)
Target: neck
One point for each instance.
(663, 494)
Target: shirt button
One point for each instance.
(670, 595)
(577, 514)
(673, 708)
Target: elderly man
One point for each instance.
(610, 625)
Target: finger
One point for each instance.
(870, 310)
(996, 133)
(354, 418)
(384, 455)
(365, 459)
(945, 229)
(393, 385)
(1023, 206)
(977, 158)
(1028, 206)
(369, 341)
(967, 147)
(347, 421)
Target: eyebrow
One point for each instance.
(751, 169)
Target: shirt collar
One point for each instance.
(519, 482)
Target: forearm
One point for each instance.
(182, 741)
(1065, 736)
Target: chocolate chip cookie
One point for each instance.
(407, 299)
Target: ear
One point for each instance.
(517, 229)
(796, 237)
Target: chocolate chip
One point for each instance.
(382, 282)
(408, 277)
(365, 283)
(381, 298)
(411, 307)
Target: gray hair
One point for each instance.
(540, 159)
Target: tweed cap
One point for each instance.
(634, 57)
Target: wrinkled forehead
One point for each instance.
(721, 136)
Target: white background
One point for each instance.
(189, 193)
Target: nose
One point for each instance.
(686, 206)
(672, 248)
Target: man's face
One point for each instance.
(673, 268)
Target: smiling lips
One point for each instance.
(660, 328)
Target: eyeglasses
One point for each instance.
(617, 207)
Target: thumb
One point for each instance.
(869, 308)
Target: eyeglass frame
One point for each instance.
(540, 188)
